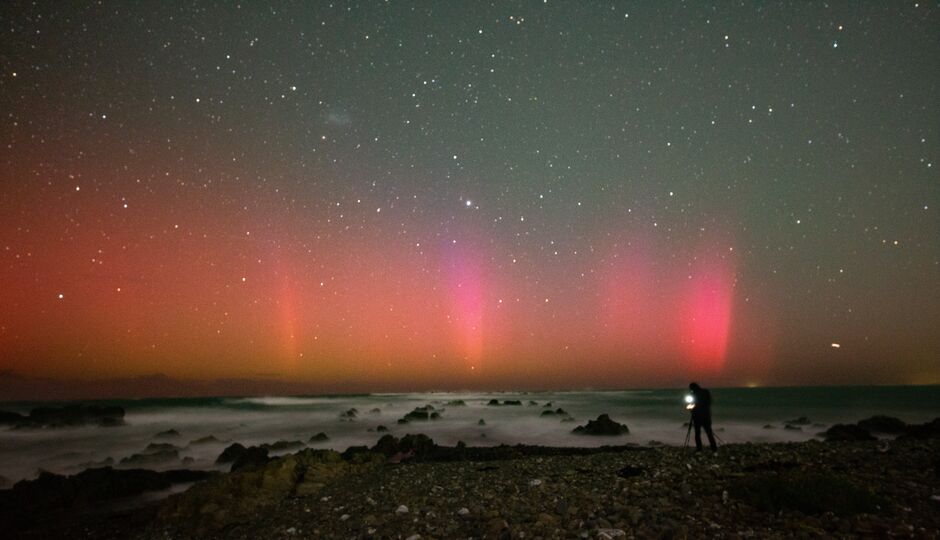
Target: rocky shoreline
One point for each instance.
(850, 489)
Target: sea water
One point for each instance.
(653, 417)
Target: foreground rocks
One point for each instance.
(871, 489)
(37, 504)
(813, 489)
(883, 425)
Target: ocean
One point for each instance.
(653, 417)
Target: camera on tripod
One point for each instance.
(689, 402)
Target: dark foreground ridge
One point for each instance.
(410, 486)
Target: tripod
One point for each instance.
(688, 433)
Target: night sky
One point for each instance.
(392, 195)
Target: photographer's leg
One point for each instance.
(698, 436)
(711, 436)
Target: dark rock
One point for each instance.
(32, 501)
(435, 415)
(512, 402)
(456, 403)
(387, 445)
(402, 421)
(381, 429)
(168, 434)
(155, 448)
(230, 453)
(801, 421)
(602, 426)
(13, 418)
(209, 439)
(883, 424)
(847, 432)
(281, 446)
(420, 413)
(353, 451)
(769, 426)
(375, 410)
(791, 427)
(481, 422)
(319, 437)
(558, 411)
(929, 430)
(493, 403)
(150, 459)
(548, 405)
(349, 414)
(420, 443)
(251, 459)
(531, 403)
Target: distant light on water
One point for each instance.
(836, 346)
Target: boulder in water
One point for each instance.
(281, 446)
(168, 434)
(208, 439)
(847, 432)
(558, 411)
(151, 459)
(801, 421)
(319, 437)
(153, 448)
(602, 426)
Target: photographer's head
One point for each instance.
(694, 387)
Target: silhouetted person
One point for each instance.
(701, 408)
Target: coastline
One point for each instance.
(856, 489)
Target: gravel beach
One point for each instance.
(872, 489)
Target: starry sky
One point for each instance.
(371, 196)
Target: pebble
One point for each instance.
(401, 510)
(610, 534)
(291, 530)
(463, 512)
(414, 537)
(535, 483)
(344, 517)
